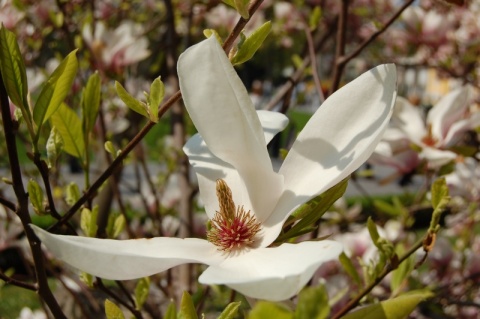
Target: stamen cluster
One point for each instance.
(231, 228)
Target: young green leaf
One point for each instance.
(312, 303)
(315, 17)
(242, 7)
(116, 224)
(157, 92)
(55, 90)
(187, 308)
(87, 279)
(251, 44)
(130, 101)
(13, 71)
(91, 102)
(88, 221)
(171, 312)
(113, 311)
(110, 148)
(396, 308)
(35, 193)
(73, 193)
(141, 292)
(264, 309)
(312, 211)
(372, 229)
(54, 147)
(400, 274)
(209, 32)
(69, 126)
(230, 311)
(350, 268)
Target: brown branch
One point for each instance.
(5, 202)
(354, 302)
(340, 46)
(375, 35)
(101, 286)
(22, 209)
(18, 283)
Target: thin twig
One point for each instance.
(18, 283)
(354, 302)
(340, 46)
(137, 314)
(5, 202)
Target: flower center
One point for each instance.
(428, 139)
(231, 227)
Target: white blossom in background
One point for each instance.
(115, 49)
(443, 127)
(245, 199)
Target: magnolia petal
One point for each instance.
(128, 259)
(408, 119)
(339, 137)
(458, 128)
(209, 168)
(223, 114)
(272, 273)
(447, 111)
(436, 157)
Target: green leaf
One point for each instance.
(88, 221)
(54, 147)
(55, 90)
(130, 101)
(110, 148)
(141, 292)
(350, 268)
(397, 308)
(187, 308)
(13, 71)
(440, 200)
(171, 312)
(242, 7)
(439, 192)
(312, 211)
(372, 229)
(400, 274)
(230, 311)
(209, 32)
(312, 303)
(87, 279)
(264, 309)
(35, 193)
(113, 311)
(315, 17)
(116, 224)
(91, 102)
(73, 193)
(251, 44)
(386, 208)
(157, 92)
(69, 126)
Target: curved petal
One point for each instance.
(223, 114)
(436, 157)
(128, 259)
(272, 273)
(447, 111)
(339, 137)
(408, 119)
(459, 127)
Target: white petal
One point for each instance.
(458, 128)
(447, 111)
(408, 119)
(339, 137)
(272, 273)
(223, 114)
(128, 259)
(209, 168)
(436, 157)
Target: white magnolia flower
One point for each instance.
(443, 127)
(232, 164)
(115, 49)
